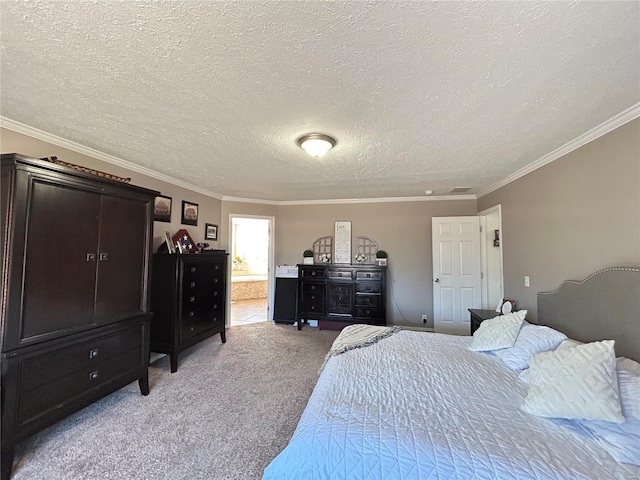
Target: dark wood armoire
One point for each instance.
(75, 292)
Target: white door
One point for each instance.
(456, 272)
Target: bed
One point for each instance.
(418, 405)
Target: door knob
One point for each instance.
(437, 280)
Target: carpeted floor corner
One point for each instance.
(225, 414)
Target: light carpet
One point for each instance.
(225, 414)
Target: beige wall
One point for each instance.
(572, 217)
(209, 208)
(403, 229)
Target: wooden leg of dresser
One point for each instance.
(223, 336)
(6, 463)
(173, 359)
(143, 383)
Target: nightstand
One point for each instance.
(478, 316)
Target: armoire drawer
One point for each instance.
(60, 363)
(41, 399)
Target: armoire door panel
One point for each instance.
(60, 261)
(123, 225)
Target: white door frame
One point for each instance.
(270, 268)
(484, 246)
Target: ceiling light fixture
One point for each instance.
(316, 144)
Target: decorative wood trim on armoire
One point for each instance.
(75, 292)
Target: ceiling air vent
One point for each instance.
(460, 189)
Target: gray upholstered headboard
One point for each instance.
(604, 306)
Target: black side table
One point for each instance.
(478, 316)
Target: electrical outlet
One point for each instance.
(526, 280)
(424, 319)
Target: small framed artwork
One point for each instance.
(210, 231)
(189, 213)
(162, 209)
(171, 248)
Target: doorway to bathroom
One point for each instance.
(251, 258)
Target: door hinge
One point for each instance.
(481, 228)
(481, 275)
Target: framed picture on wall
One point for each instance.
(162, 209)
(210, 231)
(189, 213)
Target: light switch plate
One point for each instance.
(526, 280)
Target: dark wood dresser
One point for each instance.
(188, 298)
(75, 311)
(341, 295)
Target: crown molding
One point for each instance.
(105, 157)
(226, 198)
(614, 122)
(339, 201)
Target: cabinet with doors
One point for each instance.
(188, 300)
(75, 310)
(340, 295)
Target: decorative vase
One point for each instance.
(381, 262)
(307, 260)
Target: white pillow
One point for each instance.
(532, 339)
(568, 343)
(628, 364)
(576, 383)
(499, 332)
(620, 440)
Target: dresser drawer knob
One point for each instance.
(91, 257)
(93, 376)
(313, 297)
(215, 293)
(192, 313)
(340, 274)
(313, 307)
(103, 256)
(193, 284)
(215, 306)
(193, 269)
(192, 299)
(368, 288)
(191, 328)
(313, 274)
(368, 274)
(215, 280)
(93, 353)
(339, 299)
(216, 267)
(367, 312)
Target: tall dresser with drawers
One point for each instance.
(340, 295)
(75, 310)
(188, 298)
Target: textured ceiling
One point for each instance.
(420, 95)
